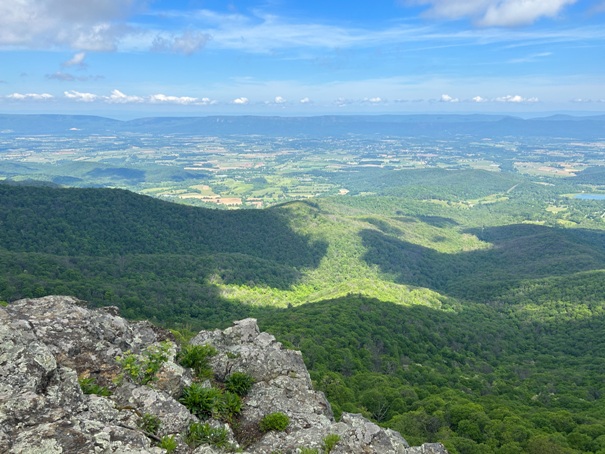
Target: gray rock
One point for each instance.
(47, 343)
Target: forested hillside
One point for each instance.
(458, 306)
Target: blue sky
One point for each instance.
(127, 58)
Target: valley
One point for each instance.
(448, 284)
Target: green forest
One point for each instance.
(459, 306)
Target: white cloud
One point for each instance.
(375, 100)
(240, 101)
(495, 13)
(479, 99)
(187, 43)
(516, 99)
(183, 100)
(448, 98)
(343, 102)
(30, 97)
(117, 97)
(76, 60)
(91, 25)
(305, 100)
(82, 97)
(279, 100)
(207, 101)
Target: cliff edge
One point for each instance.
(76, 380)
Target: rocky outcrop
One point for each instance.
(49, 345)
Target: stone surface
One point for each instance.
(47, 343)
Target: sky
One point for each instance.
(129, 58)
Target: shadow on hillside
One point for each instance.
(128, 236)
(519, 252)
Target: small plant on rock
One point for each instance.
(149, 423)
(330, 441)
(274, 421)
(89, 386)
(196, 357)
(239, 383)
(211, 402)
(199, 400)
(168, 442)
(229, 406)
(309, 451)
(201, 434)
(143, 368)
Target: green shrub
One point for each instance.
(168, 442)
(89, 386)
(239, 383)
(142, 368)
(149, 423)
(330, 441)
(211, 402)
(274, 421)
(229, 405)
(309, 451)
(200, 434)
(196, 357)
(199, 400)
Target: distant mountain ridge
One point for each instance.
(590, 127)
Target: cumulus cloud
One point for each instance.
(241, 101)
(305, 100)
(76, 60)
(117, 97)
(30, 97)
(448, 98)
(207, 101)
(479, 99)
(79, 96)
(96, 25)
(183, 100)
(516, 99)
(375, 100)
(495, 13)
(187, 43)
(342, 102)
(279, 100)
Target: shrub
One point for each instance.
(199, 400)
(149, 423)
(89, 386)
(309, 451)
(200, 434)
(229, 406)
(196, 357)
(168, 442)
(239, 383)
(274, 421)
(142, 368)
(330, 441)
(211, 402)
